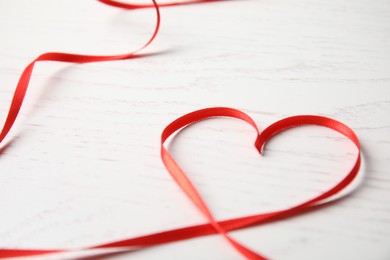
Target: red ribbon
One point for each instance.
(223, 227)
(166, 4)
(24, 79)
(213, 226)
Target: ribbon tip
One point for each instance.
(259, 145)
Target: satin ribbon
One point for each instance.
(262, 137)
(166, 4)
(24, 79)
(222, 227)
(213, 226)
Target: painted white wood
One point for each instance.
(83, 167)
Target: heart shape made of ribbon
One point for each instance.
(262, 138)
(214, 226)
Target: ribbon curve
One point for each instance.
(24, 79)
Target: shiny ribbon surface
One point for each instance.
(212, 226)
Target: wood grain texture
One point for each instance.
(82, 165)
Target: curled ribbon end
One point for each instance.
(259, 144)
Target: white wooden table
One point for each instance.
(83, 167)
